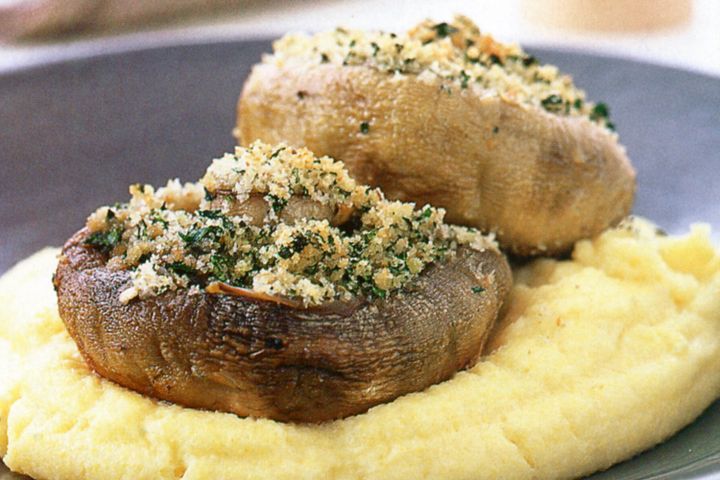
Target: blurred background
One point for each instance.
(682, 33)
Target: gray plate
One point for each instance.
(74, 134)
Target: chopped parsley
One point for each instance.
(599, 111)
(105, 240)
(364, 128)
(222, 266)
(195, 236)
(213, 214)
(464, 79)
(276, 203)
(277, 152)
(156, 218)
(378, 292)
(552, 103)
(477, 289)
(444, 29)
(529, 60)
(181, 269)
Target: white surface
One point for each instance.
(694, 46)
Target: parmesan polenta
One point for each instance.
(598, 358)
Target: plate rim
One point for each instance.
(136, 42)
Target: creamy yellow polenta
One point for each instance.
(597, 359)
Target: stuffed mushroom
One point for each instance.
(277, 287)
(446, 115)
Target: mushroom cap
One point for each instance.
(260, 358)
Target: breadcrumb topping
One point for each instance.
(277, 220)
(456, 54)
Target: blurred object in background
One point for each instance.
(608, 15)
(25, 19)
(679, 33)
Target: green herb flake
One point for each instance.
(276, 203)
(299, 243)
(105, 240)
(156, 218)
(277, 152)
(211, 214)
(600, 110)
(378, 292)
(364, 128)
(141, 229)
(444, 29)
(221, 265)
(477, 289)
(464, 79)
(529, 60)
(552, 103)
(197, 235)
(181, 269)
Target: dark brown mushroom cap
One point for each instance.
(259, 358)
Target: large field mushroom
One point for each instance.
(286, 339)
(448, 116)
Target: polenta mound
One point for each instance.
(597, 359)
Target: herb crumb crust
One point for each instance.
(276, 220)
(457, 54)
